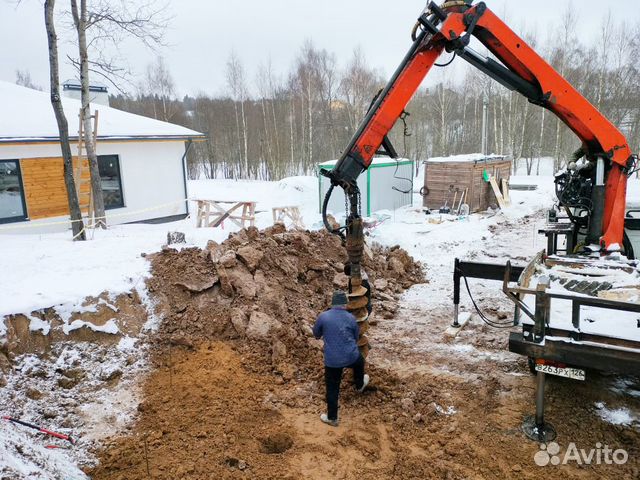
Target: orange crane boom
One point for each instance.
(449, 28)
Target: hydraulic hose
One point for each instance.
(325, 204)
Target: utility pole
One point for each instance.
(485, 124)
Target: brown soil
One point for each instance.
(266, 289)
(237, 386)
(126, 310)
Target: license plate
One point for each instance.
(567, 372)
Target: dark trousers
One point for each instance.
(332, 378)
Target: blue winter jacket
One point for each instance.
(340, 332)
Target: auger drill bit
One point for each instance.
(357, 292)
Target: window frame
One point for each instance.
(25, 215)
(122, 203)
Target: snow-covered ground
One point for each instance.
(22, 457)
(41, 271)
(49, 270)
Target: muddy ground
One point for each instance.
(211, 417)
(236, 388)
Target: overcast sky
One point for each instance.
(203, 33)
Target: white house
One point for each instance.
(141, 161)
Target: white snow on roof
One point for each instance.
(375, 161)
(467, 157)
(26, 115)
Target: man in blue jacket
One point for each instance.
(339, 330)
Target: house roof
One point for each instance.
(26, 116)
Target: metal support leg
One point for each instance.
(540, 381)
(534, 427)
(543, 307)
(456, 294)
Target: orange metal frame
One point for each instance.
(599, 136)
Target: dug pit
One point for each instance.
(278, 442)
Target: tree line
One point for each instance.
(276, 125)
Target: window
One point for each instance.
(12, 205)
(109, 166)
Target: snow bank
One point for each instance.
(47, 270)
(544, 166)
(301, 191)
(528, 202)
(633, 193)
(38, 325)
(110, 327)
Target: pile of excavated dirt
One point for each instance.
(234, 354)
(266, 289)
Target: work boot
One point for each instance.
(325, 419)
(365, 382)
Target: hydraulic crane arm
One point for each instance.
(449, 28)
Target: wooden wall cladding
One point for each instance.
(44, 189)
(443, 179)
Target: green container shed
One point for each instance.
(386, 185)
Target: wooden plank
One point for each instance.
(496, 192)
(36, 194)
(505, 191)
(46, 202)
(49, 211)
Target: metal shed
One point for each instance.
(386, 185)
(448, 177)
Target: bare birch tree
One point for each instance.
(80, 22)
(77, 225)
(237, 85)
(110, 23)
(358, 86)
(159, 84)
